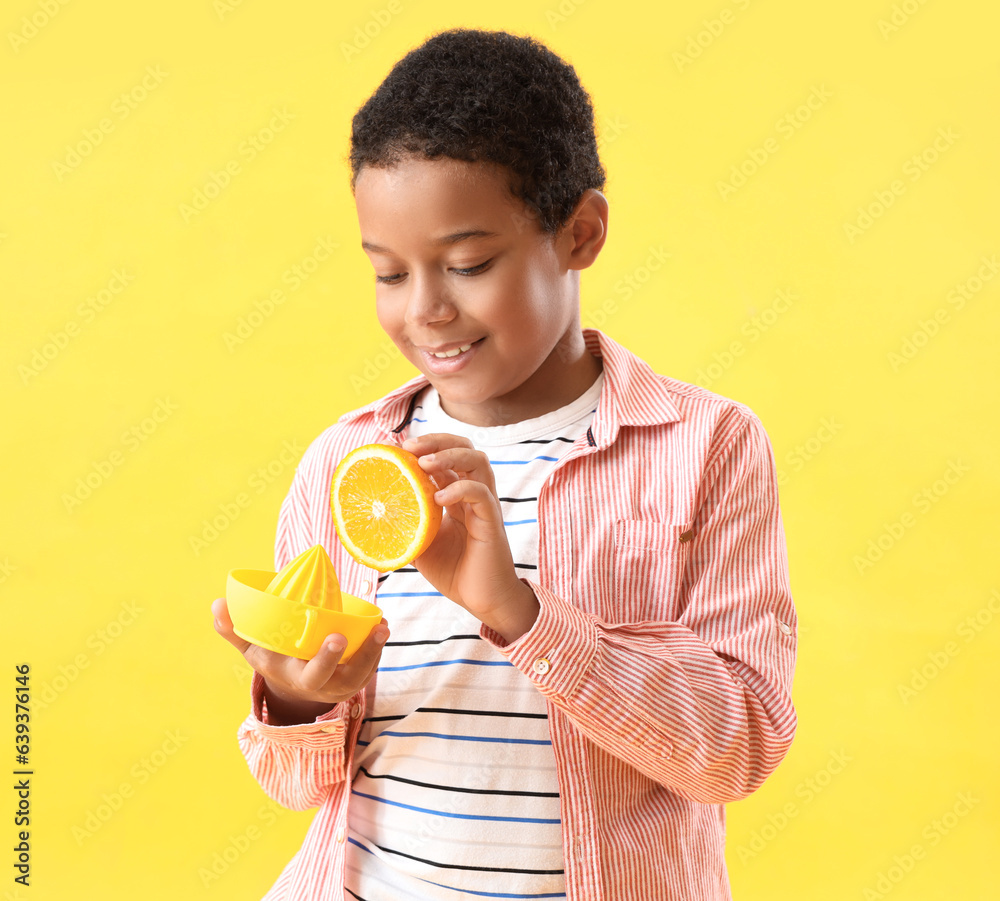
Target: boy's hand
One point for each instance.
(297, 691)
(469, 561)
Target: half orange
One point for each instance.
(383, 506)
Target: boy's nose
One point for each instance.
(428, 304)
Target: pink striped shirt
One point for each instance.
(664, 646)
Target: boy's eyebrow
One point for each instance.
(453, 238)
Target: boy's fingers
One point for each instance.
(476, 495)
(357, 672)
(326, 665)
(319, 669)
(224, 626)
(466, 462)
(443, 477)
(434, 442)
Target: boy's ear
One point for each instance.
(585, 232)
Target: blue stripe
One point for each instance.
(355, 842)
(393, 669)
(498, 894)
(447, 737)
(521, 462)
(410, 594)
(456, 816)
(518, 522)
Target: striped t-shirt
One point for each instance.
(455, 791)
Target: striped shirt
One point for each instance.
(454, 783)
(664, 645)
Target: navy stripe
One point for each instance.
(411, 594)
(457, 788)
(522, 462)
(400, 644)
(459, 712)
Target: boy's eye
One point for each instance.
(473, 270)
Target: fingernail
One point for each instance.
(381, 637)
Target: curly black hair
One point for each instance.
(487, 96)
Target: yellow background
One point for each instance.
(137, 699)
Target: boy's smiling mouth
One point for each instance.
(443, 355)
(449, 357)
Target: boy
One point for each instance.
(596, 652)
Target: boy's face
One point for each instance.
(471, 290)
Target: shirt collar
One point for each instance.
(633, 395)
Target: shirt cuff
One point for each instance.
(333, 722)
(556, 652)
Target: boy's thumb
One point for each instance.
(224, 625)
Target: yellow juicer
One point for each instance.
(292, 611)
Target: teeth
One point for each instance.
(452, 353)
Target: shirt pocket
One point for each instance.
(648, 573)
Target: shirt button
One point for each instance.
(366, 586)
(355, 711)
(328, 728)
(787, 629)
(541, 666)
(340, 835)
